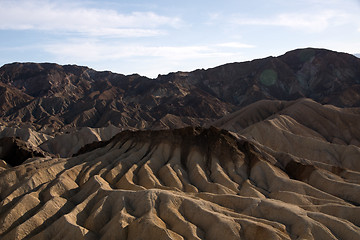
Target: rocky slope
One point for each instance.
(325, 136)
(49, 96)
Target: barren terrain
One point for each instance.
(267, 149)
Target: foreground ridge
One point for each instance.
(189, 183)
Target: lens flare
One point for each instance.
(268, 77)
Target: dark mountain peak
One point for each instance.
(309, 72)
(300, 57)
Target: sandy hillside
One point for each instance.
(191, 183)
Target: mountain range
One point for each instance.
(264, 149)
(61, 97)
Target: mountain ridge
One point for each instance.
(61, 97)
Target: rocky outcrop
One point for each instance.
(15, 151)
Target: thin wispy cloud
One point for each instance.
(73, 18)
(318, 21)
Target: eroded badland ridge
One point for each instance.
(266, 149)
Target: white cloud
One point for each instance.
(81, 50)
(73, 18)
(317, 21)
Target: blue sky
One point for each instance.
(157, 37)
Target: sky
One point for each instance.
(162, 36)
